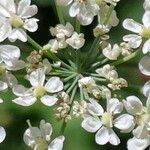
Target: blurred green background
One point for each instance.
(13, 117)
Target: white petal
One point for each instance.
(22, 5)
(54, 84)
(102, 136)
(144, 65)
(146, 47)
(30, 136)
(91, 124)
(31, 24)
(146, 19)
(4, 12)
(114, 106)
(146, 88)
(5, 30)
(2, 134)
(74, 9)
(11, 79)
(146, 5)
(148, 104)
(18, 34)
(132, 25)
(94, 108)
(20, 90)
(3, 86)
(25, 101)
(46, 130)
(137, 144)
(85, 16)
(133, 105)
(124, 122)
(1, 101)
(9, 52)
(9, 5)
(37, 77)
(141, 131)
(57, 143)
(49, 100)
(16, 65)
(113, 138)
(25, 10)
(133, 40)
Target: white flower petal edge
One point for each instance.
(53, 85)
(146, 89)
(25, 100)
(57, 143)
(132, 25)
(125, 123)
(144, 65)
(105, 135)
(91, 124)
(2, 134)
(49, 100)
(133, 105)
(137, 144)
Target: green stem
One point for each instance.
(34, 43)
(70, 77)
(81, 94)
(59, 13)
(127, 58)
(107, 17)
(77, 26)
(73, 85)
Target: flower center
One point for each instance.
(2, 70)
(39, 91)
(41, 144)
(16, 21)
(146, 33)
(107, 120)
(143, 118)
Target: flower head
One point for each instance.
(142, 32)
(16, 19)
(39, 89)
(39, 138)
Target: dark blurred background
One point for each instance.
(13, 117)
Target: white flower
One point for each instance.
(16, 19)
(27, 97)
(39, 138)
(61, 31)
(76, 40)
(141, 114)
(83, 10)
(138, 144)
(87, 83)
(55, 45)
(9, 60)
(112, 53)
(144, 65)
(113, 20)
(2, 134)
(108, 72)
(146, 5)
(146, 89)
(142, 31)
(102, 122)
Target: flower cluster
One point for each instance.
(74, 76)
